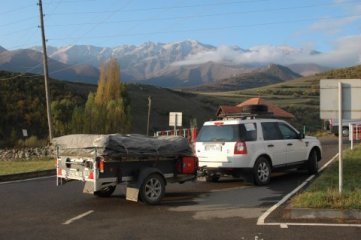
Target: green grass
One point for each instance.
(324, 192)
(12, 167)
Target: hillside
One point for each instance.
(299, 96)
(22, 103)
(27, 60)
(261, 77)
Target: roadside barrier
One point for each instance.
(354, 133)
(189, 133)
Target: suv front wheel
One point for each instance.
(262, 171)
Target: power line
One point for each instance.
(18, 9)
(217, 28)
(18, 21)
(192, 16)
(162, 8)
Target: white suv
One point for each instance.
(254, 148)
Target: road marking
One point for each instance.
(262, 218)
(78, 217)
(26, 180)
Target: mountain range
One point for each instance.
(174, 65)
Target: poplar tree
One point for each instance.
(108, 111)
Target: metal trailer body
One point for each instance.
(102, 166)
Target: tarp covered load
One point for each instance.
(117, 145)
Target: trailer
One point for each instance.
(145, 164)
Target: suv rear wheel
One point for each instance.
(261, 171)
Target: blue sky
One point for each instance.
(323, 25)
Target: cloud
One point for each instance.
(346, 52)
(332, 26)
(350, 13)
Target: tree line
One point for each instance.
(75, 108)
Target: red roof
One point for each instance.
(277, 111)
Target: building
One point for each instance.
(272, 109)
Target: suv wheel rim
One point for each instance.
(263, 172)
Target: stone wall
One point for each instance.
(26, 153)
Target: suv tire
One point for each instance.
(261, 171)
(312, 163)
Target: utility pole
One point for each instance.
(149, 107)
(46, 74)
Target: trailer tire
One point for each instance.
(152, 189)
(212, 178)
(105, 192)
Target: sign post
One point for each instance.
(175, 120)
(340, 99)
(340, 165)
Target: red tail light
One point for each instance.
(187, 165)
(101, 165)
(59, 172)
(240, 148)
(91, 175)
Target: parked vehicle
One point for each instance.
(254, 148)
(145, 164)
(332, 126)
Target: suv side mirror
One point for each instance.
(301, 136)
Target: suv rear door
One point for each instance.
(274, 143)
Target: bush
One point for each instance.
(32, 141)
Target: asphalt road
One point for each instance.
(229, 209)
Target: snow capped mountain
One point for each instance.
(2, 49)
(183, 63)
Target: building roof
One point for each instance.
(277, 111)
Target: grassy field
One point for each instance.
(324, 193)
(13, 167)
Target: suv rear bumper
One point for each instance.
(234, 172)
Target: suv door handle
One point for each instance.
(271, 145)
(289, 144)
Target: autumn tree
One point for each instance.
(108, 110)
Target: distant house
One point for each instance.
(272, 108)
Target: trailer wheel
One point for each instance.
(152, 189)
(105, 192)
(212, 178)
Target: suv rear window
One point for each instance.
(228, 133)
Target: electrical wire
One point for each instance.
(218, 28)
(193, 16)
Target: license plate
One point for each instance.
(74, 173)
(213, 147)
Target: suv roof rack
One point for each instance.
(246, 115)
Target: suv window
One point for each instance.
(228, 133)
(287, 132)
(271, 131)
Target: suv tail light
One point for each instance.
(240, 148)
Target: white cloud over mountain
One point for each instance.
(346, 52)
